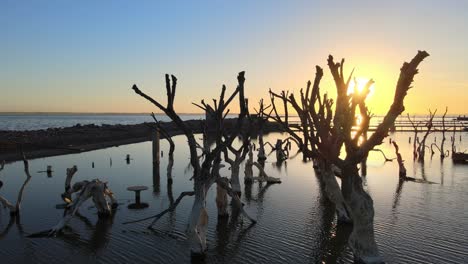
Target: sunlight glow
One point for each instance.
(360, 83)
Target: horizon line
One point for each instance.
(148, 113)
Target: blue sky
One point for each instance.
(83, 56)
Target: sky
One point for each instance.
(84, 56)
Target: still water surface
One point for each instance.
(414, 223)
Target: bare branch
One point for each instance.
(408, 71)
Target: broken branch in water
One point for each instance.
(383, 153)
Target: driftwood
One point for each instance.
(95, 189)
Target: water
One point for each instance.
(44, 121)
(416, 223)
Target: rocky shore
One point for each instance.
(80, 138)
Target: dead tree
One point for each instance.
(422, 145)
(333, 130)
(248, 168)
(458, 156)
(167, 136)
(419, 146)
(315, 113)
(401, 165)
(359, 203)
(441, 148)
(416, 138)
(442, 152)
(302, 141)
(261, 118)
(239, 157)
(15, 208)
(204, 173)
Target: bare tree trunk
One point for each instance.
(361, 209)
(333, 193)
(261, 157)
(401, 165)
(422, 144)
(221, 200)
(442, 152)
(235, 182)
(198, 222)
(248, 170)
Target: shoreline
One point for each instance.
(82, 138)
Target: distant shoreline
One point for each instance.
(82, 138)
(162, 114)
(84, 113)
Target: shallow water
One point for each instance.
(44, 121)
(414, 223)
(18, 121)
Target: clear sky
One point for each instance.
(84, 56)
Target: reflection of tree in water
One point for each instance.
(226, 232)
(403, 179)
(334, 236)
(14, 220)
(248, 193)
(396, 197)
(442, 171)
(100, 234)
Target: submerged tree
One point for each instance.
(167, 136)
(329, 130)
(206, 172)
(442, 143)
(419, 146)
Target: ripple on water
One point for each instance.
(421, 224)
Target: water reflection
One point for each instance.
(100, 232)
(156, 179)
(15, 219)
(295, 225)
(230, 232)
(399, 189)
(442, 171)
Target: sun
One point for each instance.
(360, 83)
